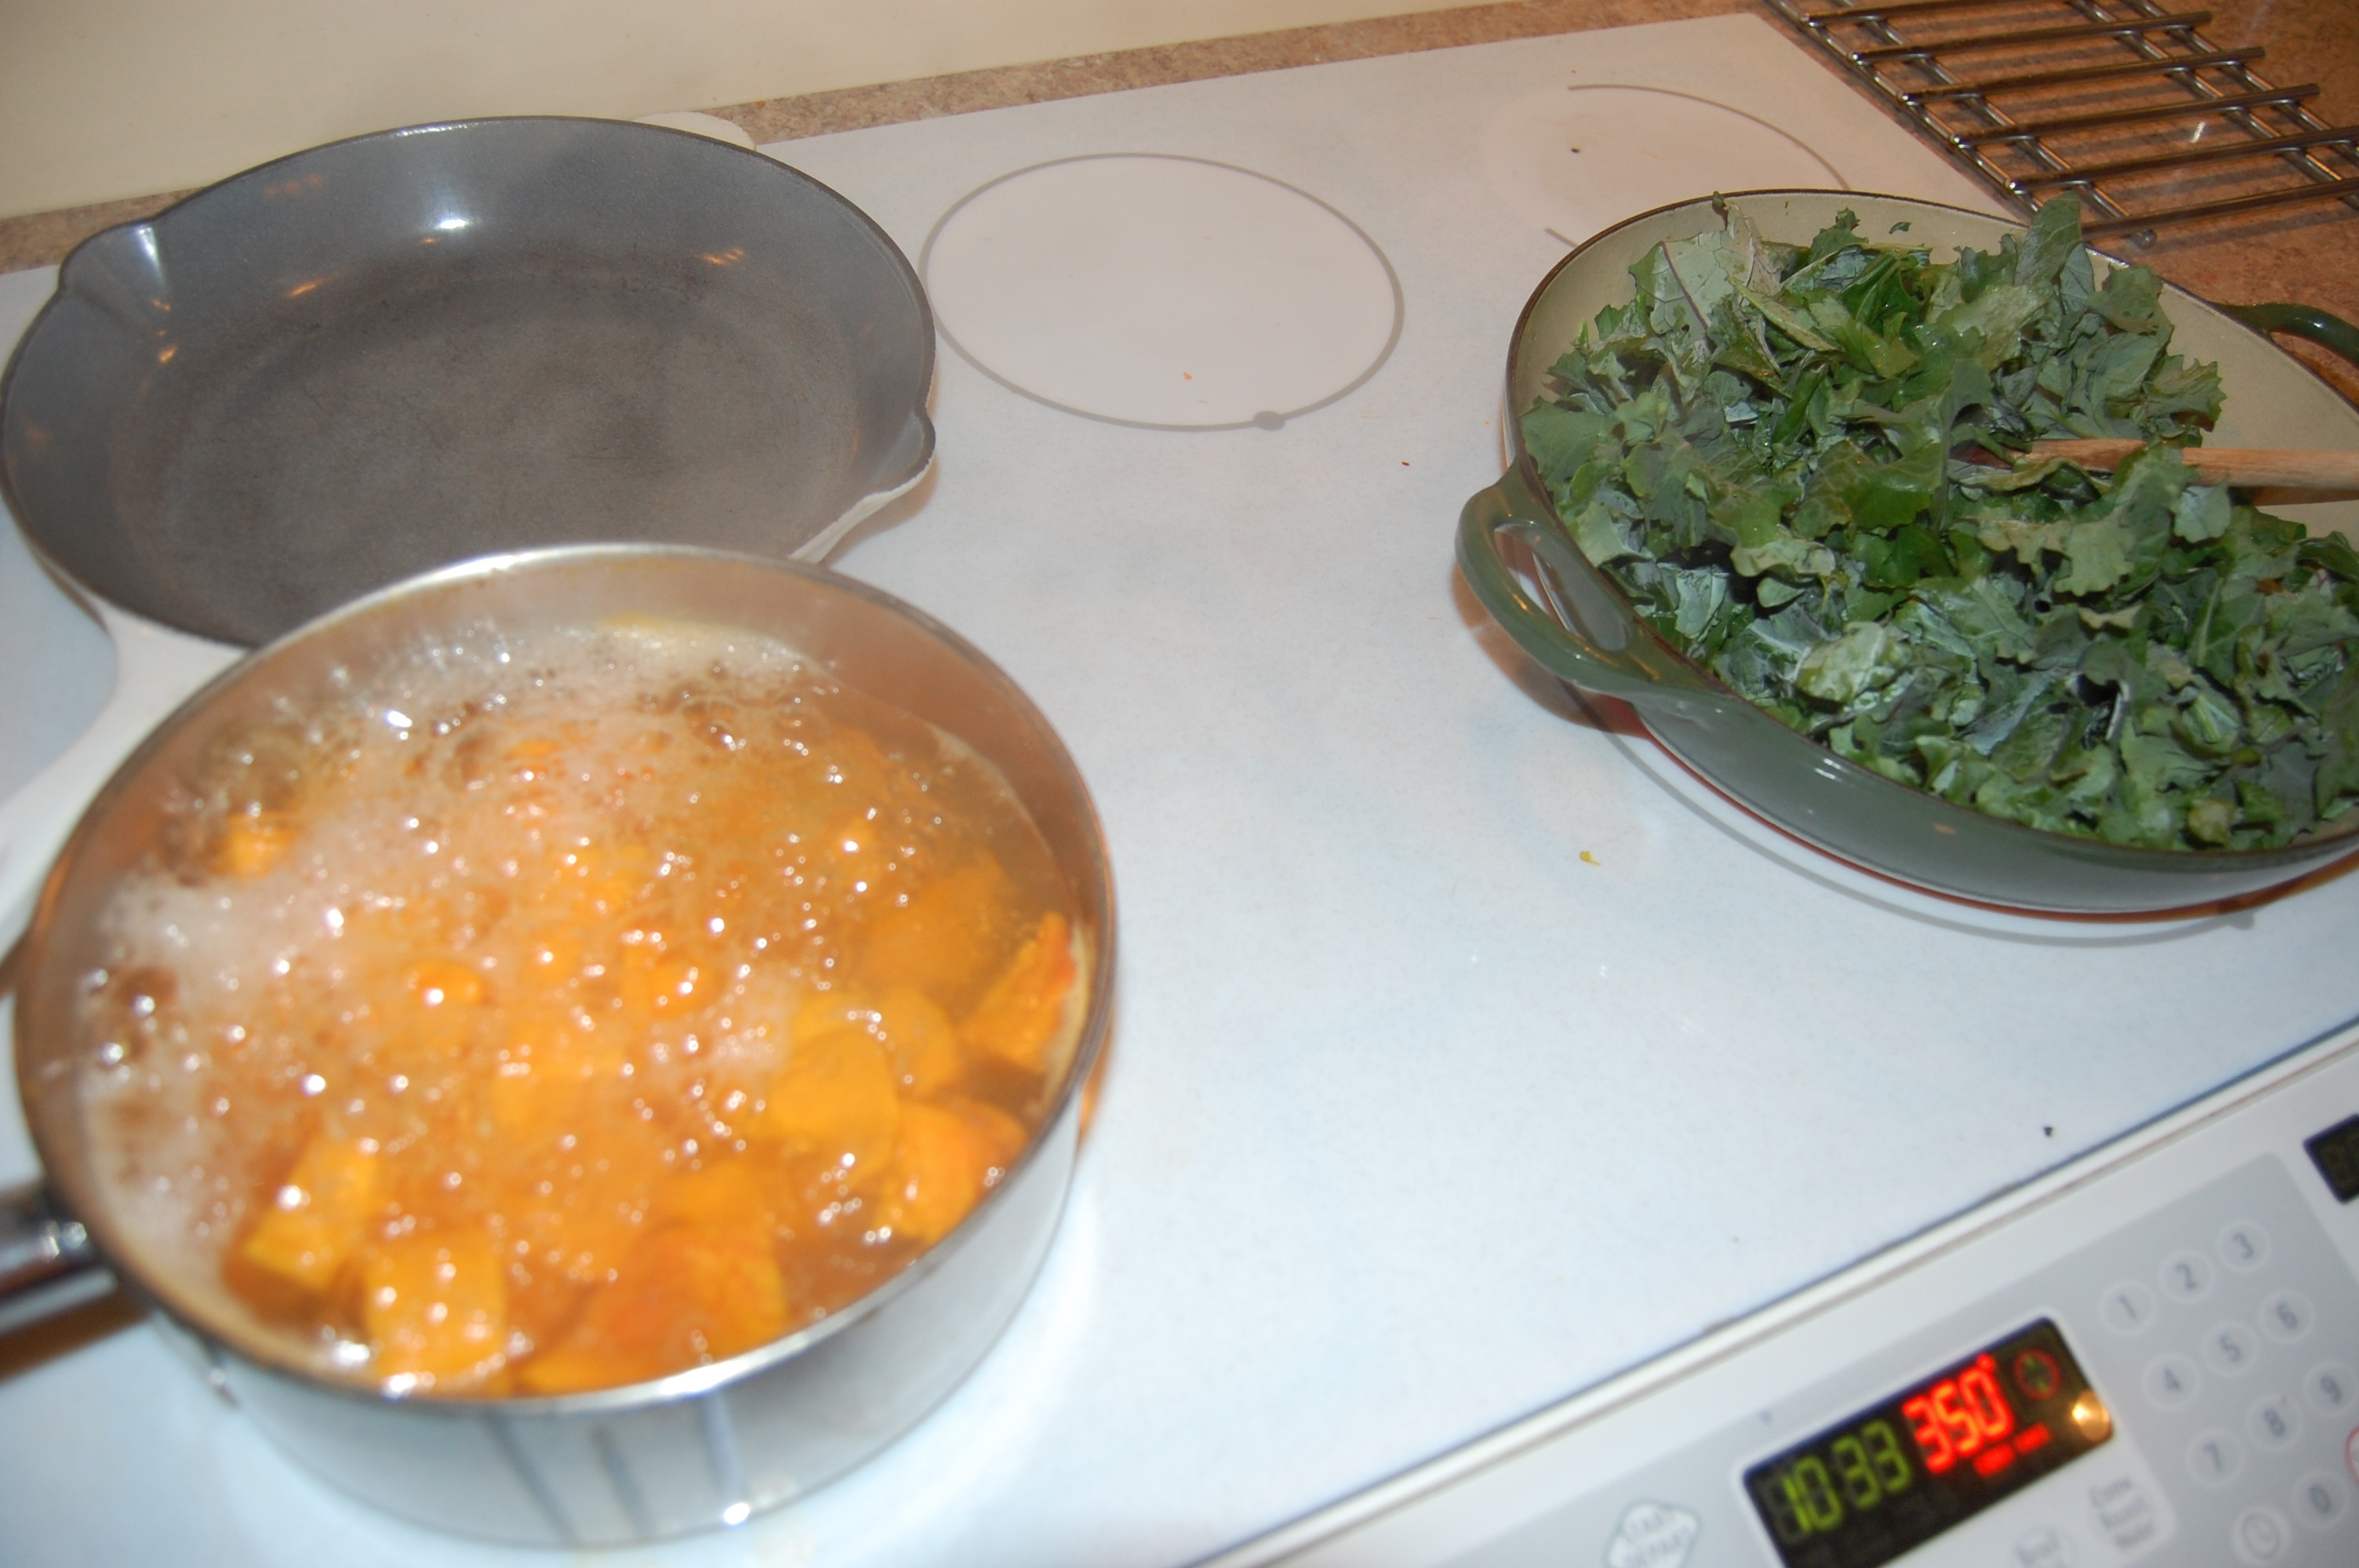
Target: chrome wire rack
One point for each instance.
(2121, 101)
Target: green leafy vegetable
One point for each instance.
(1805, 467)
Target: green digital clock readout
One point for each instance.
(1892, 1477)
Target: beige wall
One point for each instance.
(100, 99)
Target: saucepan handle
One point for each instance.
(47, 1262)
(155, 669)
(2329, 332)
(1597, 645)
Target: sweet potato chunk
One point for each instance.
(942, 940)
(1022, 1013)
(723, 1194)
(251, 845)
(923, 1044)
(446, 999)
(316, 1217)
(943, 1161)
(436, 1305)
(685, 1296)
(837, 1098)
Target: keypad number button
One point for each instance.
(2275, 1424)
(2127, 1308)
(2319, 1501)
(2215, 1458)
(2171, 1382)
(2232, 1349)
(2261, 1536)
(2243, 1246)
(2186, 1276)
(2329, 1390)
(2286, 1317)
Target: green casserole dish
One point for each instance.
(1519, 555)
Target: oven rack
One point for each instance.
(2124, 102)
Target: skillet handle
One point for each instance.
(1602, 649)
(2329, 332)
(155, 669)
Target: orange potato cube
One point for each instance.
(943, 1162)
(941, 942)
(651, 980)
(938, 1166)
(685, 1296)
(436, 1307)
(443, 982)
(924, 1044)
(837, 1098)
(449, 997)
(721, 1194)
(251, 845)
(1024, 1012)
(317, 1217)
(598, 1195)
(608, 878)
(553, 957)
(918, 1033)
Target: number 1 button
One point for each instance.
(2127, 1308)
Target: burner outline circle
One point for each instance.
(1265, 419)
(1839, 180)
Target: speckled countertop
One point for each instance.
(2307, 254)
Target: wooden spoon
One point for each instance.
(2245, 467)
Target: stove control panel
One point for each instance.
(2151, 1357)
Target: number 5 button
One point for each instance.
(2230, 1348)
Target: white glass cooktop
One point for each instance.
(1460, 1062)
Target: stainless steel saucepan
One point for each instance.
(702, 1447)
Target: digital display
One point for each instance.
(1894, 1477)
(2335, 1153)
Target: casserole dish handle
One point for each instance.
(2332, 333)
(1592, 641)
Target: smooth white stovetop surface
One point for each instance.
(1460, 1062)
